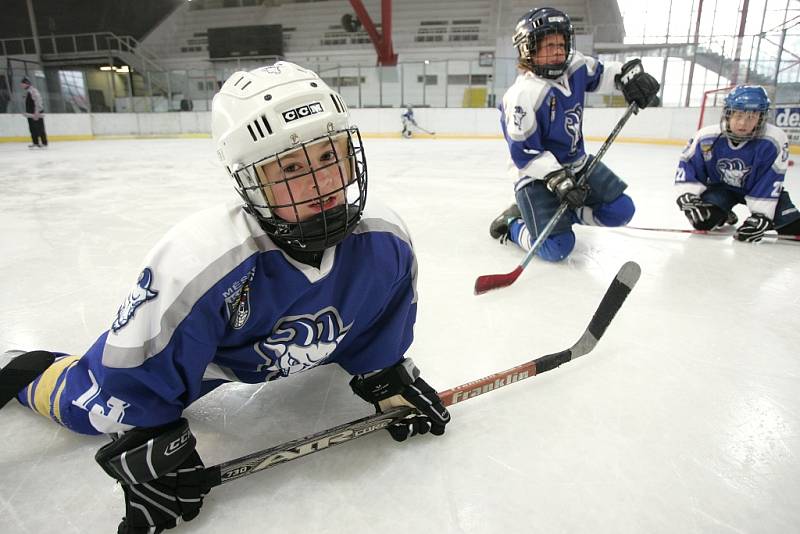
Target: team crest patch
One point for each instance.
(519, 114)
(140, 294)
(706, 150)
(733, 171)
(300, 342)
(237, 300)
(572, 125)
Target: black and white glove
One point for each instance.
(401, 385)
(753, 228)
(636, 85)
(162, 476)
(565, 185)
(695, 208)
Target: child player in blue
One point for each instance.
(295, 274)
(408, 121)
(542, 120)
(740, 160)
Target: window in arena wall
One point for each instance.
(430, 79)
(73, 90)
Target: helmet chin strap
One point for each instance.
(312, 258)
(321, 231)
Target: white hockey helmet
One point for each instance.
(264, 115)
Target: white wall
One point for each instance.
(68, 124)
(658, 124)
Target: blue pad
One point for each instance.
(618, 212)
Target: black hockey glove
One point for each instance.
(695, 208)
(162, 476)
(636, 85)
(564, 184)
(402, 380)
(753, 228)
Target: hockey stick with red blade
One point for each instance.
(612, 301)
(488, 282)
(780, 237)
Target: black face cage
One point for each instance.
(551, 70)
(330, 226)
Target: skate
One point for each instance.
(20, 369)
(500, 225)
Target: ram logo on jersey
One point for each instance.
(519, 114)
(572, 125)
(140, 294)
(733, 171)
(301, 342)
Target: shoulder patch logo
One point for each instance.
(519, 114)
(706, 149)
(573, 119)
(237, 300)
(301, 342)
(140, 294)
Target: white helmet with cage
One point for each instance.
(272, 115)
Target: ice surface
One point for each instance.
(685, 418)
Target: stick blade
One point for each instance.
(612, 301)
(487, 282)
(21, 371)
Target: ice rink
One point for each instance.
(684, 419)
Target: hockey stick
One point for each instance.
(488, 282)
(780, 237)
(424, 130)
(21, 371)
(612, 301)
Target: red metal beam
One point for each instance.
(388, 55)
(382, 43)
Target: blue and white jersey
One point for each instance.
(542, 119)
(216, 300)
(754, 169)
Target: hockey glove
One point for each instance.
(162, 476)
(636, 85)
(695, 208)
(564, 184)
(753, 228)
(401, 385)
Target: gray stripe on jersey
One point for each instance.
(382, 225)
(128, 357)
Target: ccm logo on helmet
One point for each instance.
(302, 111)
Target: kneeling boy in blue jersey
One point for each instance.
(741, 160)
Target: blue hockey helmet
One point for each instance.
(533, 26)
(746, 98)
